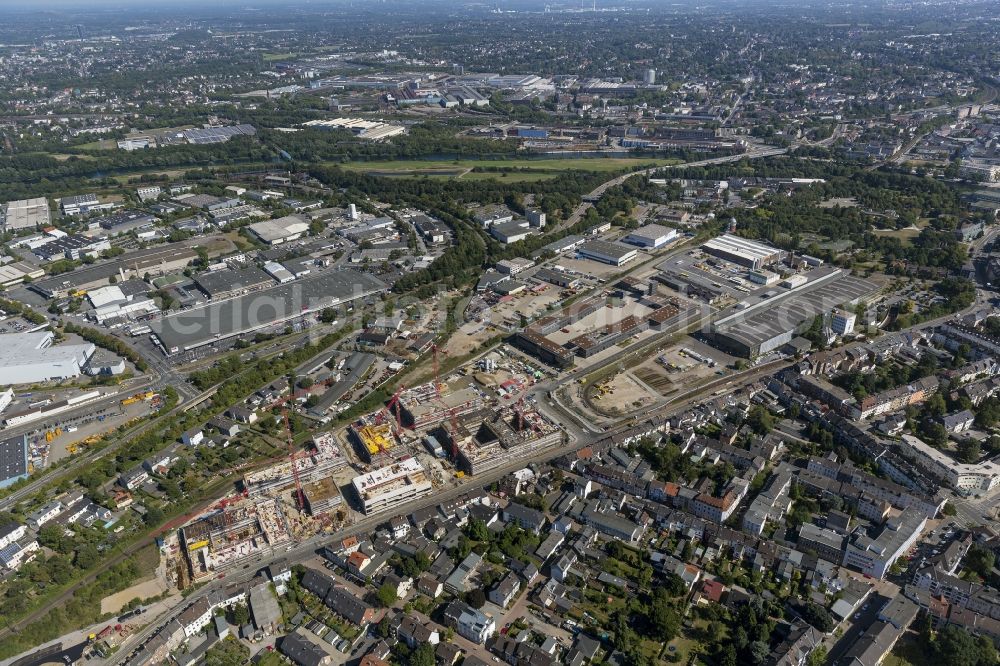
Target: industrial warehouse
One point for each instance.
(268, 307)
(766, 321)
(741, 251)
(31, 357)
(579, 330)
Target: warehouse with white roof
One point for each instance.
(26, 358)
(282, 230)
(651, 235)
(742, 251)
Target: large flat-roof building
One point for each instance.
(226, 283)
(154, 260)
(268, 307)
(423, 405)
(614, 254)
(742, 251)
(26, 214)
(766, 321)
(13, 460)
(651, 235)
(282, 230)
(387, 487)
(83, 204)
(540, 346)
(17, 272)
(506, 437)
(26, 358)
(874, 555)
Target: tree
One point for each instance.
(86, 556)
(980, 560)
(240, 614)
(478, 531)
(758, 651)
(817, 657)
(817, 616)
(956, 647)
(760, 420)
(422, 656)
(386, 595)
(969, 450)
(475, 597)
(154, 515)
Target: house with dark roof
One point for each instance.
(303, 651)
(525, 517)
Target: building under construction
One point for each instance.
(322, 496)
(322, 460)
(512, 433)
(372, 441)
(422, 407)
(231, 535)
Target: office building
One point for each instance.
(540, 346)
(873, 556)
(83, 204)
(385, 488)
(842, 322)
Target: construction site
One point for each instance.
(510, 433)
(232, 534)
(474, 419)
(320, 461)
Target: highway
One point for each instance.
(756, 153)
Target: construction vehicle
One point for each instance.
(138, 397)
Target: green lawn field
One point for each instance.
(539, 165)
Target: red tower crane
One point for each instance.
(449, 411)
(282, 403)
(454, 435)
(437, 371)
(300, 497)
(518, 409)
(393, 410)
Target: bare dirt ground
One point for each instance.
(623, 393)
(144, 590)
